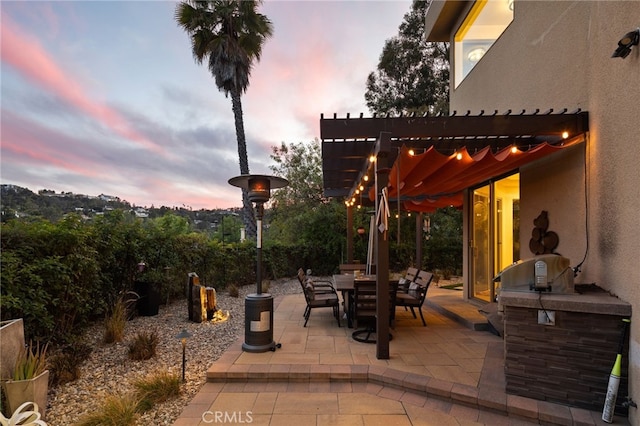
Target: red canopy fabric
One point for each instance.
(431, 180)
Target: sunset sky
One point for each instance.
(104, 97)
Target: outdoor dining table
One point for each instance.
(345, 283)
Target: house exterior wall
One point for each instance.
(557, 54)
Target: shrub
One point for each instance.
(143, 346)
(156, 388)
(234, 291)
(49, 276)
(65, 363)
(123, 410)
(119, 410)
(114, 324)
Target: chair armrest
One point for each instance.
(323, 286)
(322, 283)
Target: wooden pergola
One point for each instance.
(484, 145)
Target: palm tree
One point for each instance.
(229, 34)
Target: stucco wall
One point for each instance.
(557, 55)
(565, 202)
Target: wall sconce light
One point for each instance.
(183, 336)
(630, 39)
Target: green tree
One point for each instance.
(291, 206)
(299, 214)
(412, 74)
(301, 165)
(229, 34)
(226, 227)
(443, 249)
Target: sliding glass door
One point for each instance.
(495, 234)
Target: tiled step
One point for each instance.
(451, 304)
(486, 399)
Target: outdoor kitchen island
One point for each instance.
(560, 347)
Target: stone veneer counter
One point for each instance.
(566, 361)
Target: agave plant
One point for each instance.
(31, 362)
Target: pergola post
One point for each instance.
(419, 240)
(349, 234)
(382, 168)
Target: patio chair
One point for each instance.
(318, 294)
(409, 277)
(415, 294)
(319, 286)
(364, 309)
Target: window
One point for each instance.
(484, 23)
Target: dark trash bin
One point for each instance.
(149, 301)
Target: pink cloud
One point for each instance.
(161, 191)
(39, 156)
(27, 56)
(29, 148)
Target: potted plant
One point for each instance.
(30, 381)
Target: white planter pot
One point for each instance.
(35, 390)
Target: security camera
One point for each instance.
(624, 45)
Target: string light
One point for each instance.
(372, 158)
(565, 135)
(459, 156)
(514, 149)
(412, 152)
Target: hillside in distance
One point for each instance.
(21, 203)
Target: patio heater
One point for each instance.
(258, 307)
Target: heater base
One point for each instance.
(262, 348)
(259, 324)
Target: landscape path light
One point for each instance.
(183, 336)
(258, 325)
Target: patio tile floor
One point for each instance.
(448, 373)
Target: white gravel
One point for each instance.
(109, 371)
